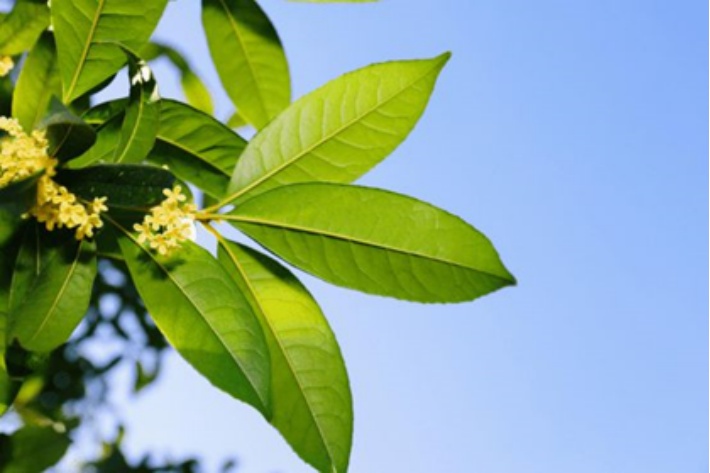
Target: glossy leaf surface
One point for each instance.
(88, 33)
(50, 299)
(127, 186)
(340, 131)
(312, 404)
(375, 241)
(202, 313)
(249, 58)
(38, 82)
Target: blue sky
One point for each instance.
(574, 134)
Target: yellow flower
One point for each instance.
(169, 224)
(6, 65)
(23, 155)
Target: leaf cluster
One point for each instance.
(240, 317)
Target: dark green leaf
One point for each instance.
(340, 131)
(68, 135)
(32, 449)
(202, 313)
(107, 136)
(127, 186)
(196, 147)
(249, 58)
(312, 404)
(140, 122)
(38, 82)
(375, 241)
(20, 29)
(88, 33)
(53, 295)
(16, 199)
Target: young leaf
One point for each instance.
(20, 29)
(249, 58)
(196, 147)
(88, 33)
(202, 313)
(50, 299)
(341, 130)
(374, 241)
(37, 83)
(140, 122)
(312, 404)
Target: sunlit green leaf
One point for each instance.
(374, 241)
(202, 313)
(312, 405)
(38, 82)
(236, 121)
(50, 301)
(140, 122)
(249, 58)
(88, 33)
(20, 29)
(32, 449)
(107, 136)
(196, 147)
(341, 130)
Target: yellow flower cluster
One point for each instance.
(168, 224)
(22, 155)
(6, 65)
(57, 207)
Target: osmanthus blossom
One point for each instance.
(23, 155)
(169, 224)
(6, 65)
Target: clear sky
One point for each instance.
(572, 133)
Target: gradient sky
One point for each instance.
(572, 133)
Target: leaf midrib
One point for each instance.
(194, 305)
(235, 27)
(87, 47)
(301, 390)
(363, 242)
(60, 294)
(309, 150)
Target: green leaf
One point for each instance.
(249, 58)
(196, 147)
(202, 313)
(88, 33)
(196, 92)
(374, 241)
(32, 449)
(68, 135)
(20, 29)
(126, 186)
(236, 121)
(16, 199)
(312, 404)
(140, 122)
(8, 254)
(107, 136)
(50, 299)
(38, 82)
(340, 131)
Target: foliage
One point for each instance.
(96, 204)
